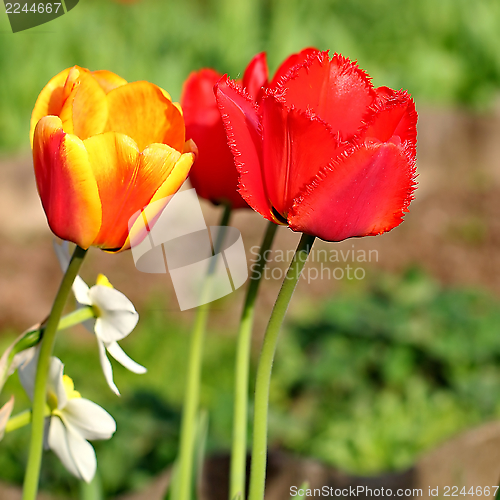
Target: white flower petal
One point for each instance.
(21, 358)
(112, 326)
(89, 325)
(110, 299)
(106, 367)
(27, 363)
(55, 382)
(76, 454)
(58, 443)
(119, 354)
(80, 288)
(6, 368)
(89, 419)
(81, 291)
(5, 412)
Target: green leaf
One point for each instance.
(303, 487)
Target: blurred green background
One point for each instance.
(365, 380)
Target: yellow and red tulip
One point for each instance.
(103, 149)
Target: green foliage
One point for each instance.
(442, 51)
(379, 374)
(385, 372)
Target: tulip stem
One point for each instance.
(240, 413)
(184, 485)
(32, 474)
(264, 368)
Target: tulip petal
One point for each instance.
(85, 111)
(76, 454)
(108, 80)
(245, 140)
(213, 175)
(364, 193)
(169, 187)
(107, 369)
(198, 99)
(119, 354)
(256, 76)
(88, 419)
(141, 111)
(127, 180)
(66, 183)
(291, 62)
(393, 114)
(293, 139)
(336, 90)
(50, 100)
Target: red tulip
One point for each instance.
(323, 152)
(214, 175)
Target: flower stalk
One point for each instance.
(240, 413)
(32, 474)
(192, 397)
(264, 369)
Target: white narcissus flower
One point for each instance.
(115, 318)
(72, 419)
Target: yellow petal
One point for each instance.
(50, 100)
(127, 180)
(103, 281)
(178, 174)
(85, 111)
(142, 111)
(108, 80)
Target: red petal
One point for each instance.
(336, 90)
(198, 99)
(66, 183)
(214, 174)
(365, 193)
(256, 76)
(241, 123)
(290, 62)
(296, 147)
(393, 114)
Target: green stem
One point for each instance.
(32, 474)
(74, 318)
(22, 420)
(239, 446)
(34, 336)
(192, 396)
(264, 369)
(18, 421)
